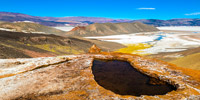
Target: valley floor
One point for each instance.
(162, 41)
(64, 28)
(181, 28)
(177, 45)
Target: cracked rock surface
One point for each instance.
(71, 78)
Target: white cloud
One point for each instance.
(191, 14)
(146, 8)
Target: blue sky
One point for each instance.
(119, 9)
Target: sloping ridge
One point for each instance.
(100, 29)
(190, 61)
(30, 27)
(26, 45)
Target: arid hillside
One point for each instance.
(188, 58)
(27, 45)
(30, 27)
(101, 29)
(191, 61)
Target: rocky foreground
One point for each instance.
(71, 78)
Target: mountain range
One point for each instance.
(102, 29)
(82, 21)
(171, 22)
(96, 29)
(55, 21)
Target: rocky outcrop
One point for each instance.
(100, 29)
(72, 78)
(94, 49)
(78, 27)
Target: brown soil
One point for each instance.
(26, 45)
(37, 54)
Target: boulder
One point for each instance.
(94, 49)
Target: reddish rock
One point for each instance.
(94, 49)
(78, 27)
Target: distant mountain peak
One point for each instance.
(101, 29)
(84, 20)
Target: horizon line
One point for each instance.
(98, 17)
